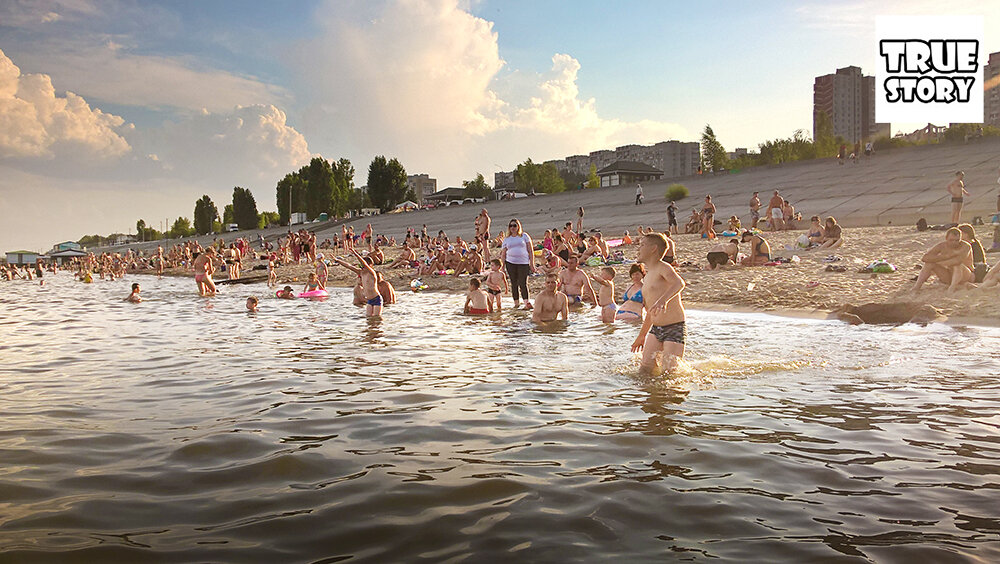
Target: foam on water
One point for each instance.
(184, 429)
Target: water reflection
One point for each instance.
(183, 429)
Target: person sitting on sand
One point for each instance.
(734, 224)
(493, 280)
(407, 258)
(553, 264)
(815, 233)
(550, 303)
(626, 238)
(631, 308)
(575, 284)
(950, 261)
(472, 263)
(992, 278)
(663, 330)
(377, 256)
(252, 304)
(602, 245)
(788, 215)
(979, 266)
(694, 223)
(477, 302)
(559, 246)
(606, 296)
(286, 293)
(591, 250)
(833, 236)
(134, 296)
(723, 254)
(760, 250)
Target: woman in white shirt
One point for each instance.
(517, 256)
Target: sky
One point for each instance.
(117, 110)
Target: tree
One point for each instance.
(477, 188)
(181, 228)
(244, 208)
(826, 144)
(227, 214)
(358, 199)
(268, 218)
(386, 183)
(290, 195)
(532, 178)
(205, 213)
(343, 186)
(713, 153)
(592, 179)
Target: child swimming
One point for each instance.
(252, 304)
(313, 284)
(477, 302)
(287, 293)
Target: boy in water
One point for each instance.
(369, 283)
(606, 295)
(134, 296)
(252, 304)
(477, 302)
(493, 281)
(663, 329)
(287, 293)
(272, 273)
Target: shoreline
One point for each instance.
(802, 289)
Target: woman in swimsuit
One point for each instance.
(203, 272)
(708, 218)
(815, 231)
(760, 251)
(832, 234)
(559, 247)
(631, 308)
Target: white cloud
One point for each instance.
(245, 144)
(111, 73)
(35, 122)
(420, 80)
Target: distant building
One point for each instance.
(737, 153)
(503, 180)
(848, 100)
(422, 185)
(447, 195)
(21, 257)
(991, 93)
(65, 245)
(627, 173)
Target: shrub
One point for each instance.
(677, 192)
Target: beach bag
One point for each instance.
(803, 241)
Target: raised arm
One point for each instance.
(364, 264)
(353, 269)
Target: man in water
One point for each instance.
(958, 192)
(550, 303)
(369, 283)
(663, 329)
(574, 282)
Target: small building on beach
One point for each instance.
(22, 257)
(623, 173)
(447, 195)
(66, 255)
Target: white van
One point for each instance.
(232, 227)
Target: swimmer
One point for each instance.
(493, 279)
(287, 293)
(606, 296)
(477, 302)
(550, 303)
(252, 304)
(134, 296)
(663, 329)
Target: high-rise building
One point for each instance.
(848, 100)
(422, 185)
(991, 94)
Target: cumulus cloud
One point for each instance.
(421, 80)
(110, 72)
(35, 122)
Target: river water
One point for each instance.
(185, 429)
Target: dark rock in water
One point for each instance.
(248, 280)
(892, 313)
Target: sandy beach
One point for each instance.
(804, 285)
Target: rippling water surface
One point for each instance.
(185, 429)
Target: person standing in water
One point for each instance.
(518, 258)
(664, 327)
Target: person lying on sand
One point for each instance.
(723, 254)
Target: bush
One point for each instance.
(677, 192)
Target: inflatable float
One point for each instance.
(314, 294)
